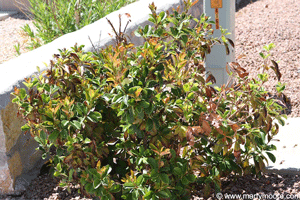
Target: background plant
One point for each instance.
(144, 122)
(54, 18)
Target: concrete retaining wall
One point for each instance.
(13, 5)
(19, 162)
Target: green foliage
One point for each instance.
(17, 49)
(54, 18)
(141, 122)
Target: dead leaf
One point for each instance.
(206, 127)
(208, 92)
(194, 2)
(276, 69)
(128, 15)
(211, 78)
(235, 127)
(237, 153)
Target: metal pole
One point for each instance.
(216, 61)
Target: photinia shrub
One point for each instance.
(144, 122)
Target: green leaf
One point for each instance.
(71, 174)
(140, 180)
(144, 104)
(149, 125)
(56, 174)
(146, 29)
(129, 117)
(280, 87)
(153, 163)
(89, 187)
(45, 98)
(184, 181)
(137, 33)
(281, 121)
(186, 87)
(26, 127)
(76, 124)
(184, 39)
(164, 178)
(115, 188)
(17, 99)
(107, 171)
(87, 141)
(190, 95)
(94, 116)
(129, 185)
(62, 184)
(162, 15)
(177, 171)
(22, 93)
(64, 123)
(53, 136)
(215, 171)
(140, 113)
(271, 156)
(95, 174)
(43, 135)
(126, 81)
(149, 110)
(96, 183)
(191, 178)
(163, 194)
(148, 194)
(58, 167)
(174, 32)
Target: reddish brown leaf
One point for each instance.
(128, 15)
(243, 75)
(189, 134)
(211, 78)
(17, 90)
(237, 153)
(235, 127)
(227, 49)
(208, 92)
(27, 80)
(230, 42)
(194, 2)
(227, 70)
(269, 124)
(220, 131)
(165, 152)
(262, 99)
(68, 158)
(215, 119)
(74, 55)
(212, 106)
(276, 69)
(206, 127)
(194, 130)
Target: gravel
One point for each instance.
(11, 34)
(272, 21)
(257, 24)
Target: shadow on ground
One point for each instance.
(244, 3)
